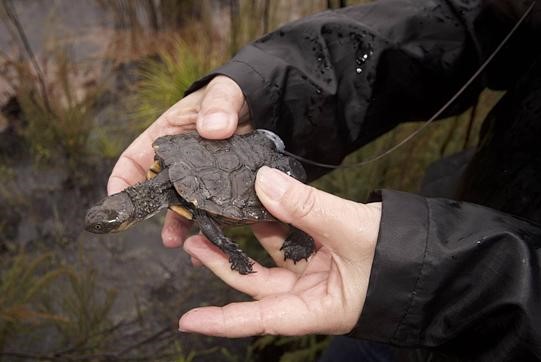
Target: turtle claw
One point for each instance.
(241, 264)
(295, 252)
(298, 246)
(238, 260)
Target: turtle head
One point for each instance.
(113, 213)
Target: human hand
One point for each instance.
(325, 295)
(216, 111)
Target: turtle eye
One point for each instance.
(97, 227)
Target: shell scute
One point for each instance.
(219, 176)
(215, 187)
(227, 161)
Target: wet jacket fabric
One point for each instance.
(459, 278)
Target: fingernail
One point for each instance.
(173, 234)
(215, 121)
(171, 240)
(273, 182)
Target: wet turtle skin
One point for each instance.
(209, 181)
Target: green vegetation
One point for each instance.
(41, 299)
(38, 295)
(57, 125)
(85, 313)
(289, 349)
(164, 80)
(21, 285)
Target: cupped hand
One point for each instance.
(216, 111)
(324, 295)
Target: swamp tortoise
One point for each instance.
(210, 182)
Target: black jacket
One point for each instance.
(452, 276)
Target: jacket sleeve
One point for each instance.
(457, 277)
(332, 82)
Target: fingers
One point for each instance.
(284, 314)
(271, 236)
(220, 109)
(327, 218)
(175, 230)
(262, 283)
(132, 164)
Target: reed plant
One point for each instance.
(164, 80)
(58, 122)
(23, 280)
(41, 296)
(85, 311)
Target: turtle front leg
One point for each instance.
(238, 260)
(298, 245)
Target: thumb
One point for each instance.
(220, 108)
(333, 221)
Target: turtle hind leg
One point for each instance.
(238, 260)
(298, 245)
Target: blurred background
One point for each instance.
(79, 79)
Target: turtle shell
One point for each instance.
(218, 175)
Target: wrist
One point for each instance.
(371, 221)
